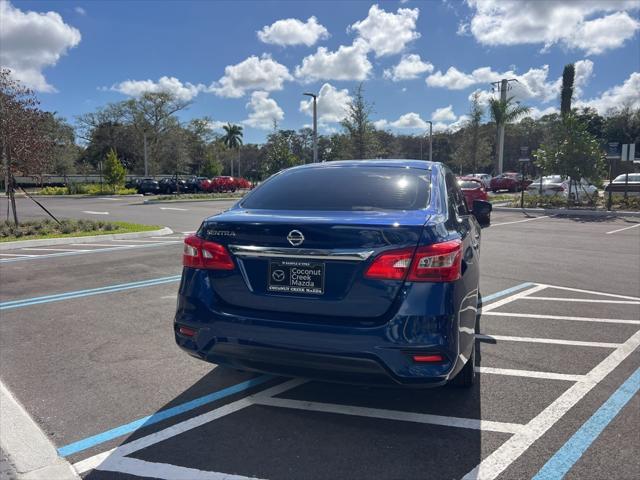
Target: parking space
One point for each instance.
(326, 427)
(558, 336)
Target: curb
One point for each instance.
(80, 195)
(569, 213)
(153, 202)
(27, 446)
(87, 239)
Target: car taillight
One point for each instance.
(199, 253)
(440, 262)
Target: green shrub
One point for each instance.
(53, 191)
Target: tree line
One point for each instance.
(148, 137)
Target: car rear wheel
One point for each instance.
(467, 376)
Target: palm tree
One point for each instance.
(502, 113)
(233, 140)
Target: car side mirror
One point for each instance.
(482, 212)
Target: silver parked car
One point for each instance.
(485, 178)
(558, 185)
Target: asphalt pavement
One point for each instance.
(94, 363)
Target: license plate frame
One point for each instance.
(296, 277)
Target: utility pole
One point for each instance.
(430, 141)
(502, 86)
(315, 125)
(146, 161)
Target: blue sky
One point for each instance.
(87, 54)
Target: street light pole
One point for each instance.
(315, 125)
(430, 141)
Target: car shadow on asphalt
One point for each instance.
(381, 432)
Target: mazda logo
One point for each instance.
(295, 237)
(278, 275)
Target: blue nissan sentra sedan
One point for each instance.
(353, 271)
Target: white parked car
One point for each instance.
(485, 178)
(558, 185)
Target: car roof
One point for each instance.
(420, 164)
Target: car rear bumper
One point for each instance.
(375, 355)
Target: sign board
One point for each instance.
(524, 154)
(613, 150)
(632, 152)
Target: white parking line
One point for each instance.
(175, 208)
(585, 300)
(472, 423)
(579, 290)
(55, 249)
(166, 471)
(509, 451)
(623, 229)
(560, 317)
(147, 241)
(100, 245)
(16, 255)
(109, 460)
(519, 221)
(552, 341)
(512, 298)
(91, 212)
(531, 374)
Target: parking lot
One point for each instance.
(86, 345)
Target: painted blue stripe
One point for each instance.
(85, 293)
(64, 294)
(502, 293)
(558, 465)
(94, 440)
(97, 250)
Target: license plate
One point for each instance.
(294, 276)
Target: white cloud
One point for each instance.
(616, 97)
(443, 114)
(453, 79)
(182, 91)
(408, 121)
(388, 33)
(409, 67)
(459, 123)
(580, 24)
(332, 104)
(292, 31)
(347, 63)
(264, 111)
(381, 124)
(32, 41)
(536, 112)
(253, 73)
(533, 84)
(216, 124)
(80, 11)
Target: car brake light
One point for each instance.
(432, 358)
(199, 253)
(440, 262)
(186, 331)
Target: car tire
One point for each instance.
(466, 377)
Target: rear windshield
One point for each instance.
(468, 184)
(343, 188)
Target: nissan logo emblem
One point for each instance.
(295, 237)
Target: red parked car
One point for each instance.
(472, 189)
(242, 183)
(222, 184)
(511, 181)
